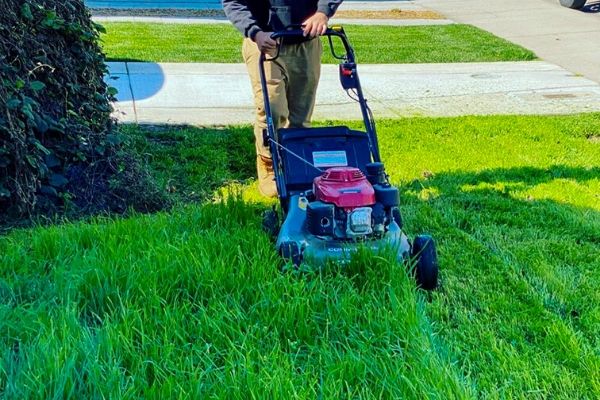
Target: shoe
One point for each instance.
(266, 177)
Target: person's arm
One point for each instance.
(328, 7)
(317, 24)
(241, 17)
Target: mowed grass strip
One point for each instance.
(515, 205)
(221, 43)
(191, 303)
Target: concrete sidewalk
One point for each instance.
(569, 38)
(217, 94)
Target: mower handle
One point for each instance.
(349, 78)
(296, 32)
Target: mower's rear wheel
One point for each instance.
(290, 252)
(270, 223)
(426, 268)
(397, 216)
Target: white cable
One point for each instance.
(295, 155)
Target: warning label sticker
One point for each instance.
(330, 159)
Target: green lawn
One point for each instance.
(189, 303)
(373, 44)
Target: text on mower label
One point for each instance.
(330, 158)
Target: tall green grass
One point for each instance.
(190, 303)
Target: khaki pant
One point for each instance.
(292, 85)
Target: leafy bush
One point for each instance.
(58, 145)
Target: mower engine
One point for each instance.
(349, 205)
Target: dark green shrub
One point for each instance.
(58, 145)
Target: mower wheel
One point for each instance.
(270, 223)
(575, 4)
(426, 268)
(291, 253)
(397, 216)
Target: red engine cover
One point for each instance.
(346, 187)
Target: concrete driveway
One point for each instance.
(569, 38)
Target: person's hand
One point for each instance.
(265, 43)
(315, 25)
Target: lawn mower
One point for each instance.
(334, 192)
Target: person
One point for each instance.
(291, 79)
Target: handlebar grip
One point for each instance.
(299, 33)
(296, 32)
(293, 33)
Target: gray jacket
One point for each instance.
(253, 16)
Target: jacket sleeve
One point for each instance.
(328, 7)
(241, 17)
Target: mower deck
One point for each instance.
(316, 251)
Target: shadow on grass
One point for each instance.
(509, 198)
(192, 163)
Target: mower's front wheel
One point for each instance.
(426, 267)
(290, 252)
